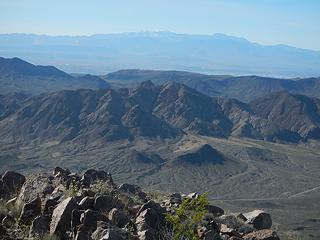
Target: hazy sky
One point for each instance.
(292, 22)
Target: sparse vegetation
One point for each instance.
(73, 190)
(187, 217)
(101, 188)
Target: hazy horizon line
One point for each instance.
(160, 31)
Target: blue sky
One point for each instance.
(292, 22)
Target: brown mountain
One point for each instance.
(288, 116)
(155, 111)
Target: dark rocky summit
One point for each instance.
(204, 154)
(92, 206)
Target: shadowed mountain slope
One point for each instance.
(289, 115)
(150, 110)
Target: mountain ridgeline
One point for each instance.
(17, 75)
(243, 88)
(152, 111)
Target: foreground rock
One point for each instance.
(259, 219)
(266, 234)
(39, 227)
(61, 217)
(30, 211)
(68, 206)
(11, 183)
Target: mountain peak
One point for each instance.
(17, 75)
(17, 66)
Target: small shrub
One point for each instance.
(101, 188)
(73, 190)
(187, 217)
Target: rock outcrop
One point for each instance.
(70, 206)
(11, 183)
(61, 216)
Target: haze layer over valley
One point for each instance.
(213, 54)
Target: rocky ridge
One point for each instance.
(243, 88)
(152, 111)
(65, 205)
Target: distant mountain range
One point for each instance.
(244, 88)
(214, 54)
(154, 111)
(17, 75)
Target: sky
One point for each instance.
(291, 22)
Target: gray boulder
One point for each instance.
(89, 219)
(215, 211)
(118, 217)
(130, 188)
(39, 227)
(61, 216)
(40, 185)
(30, 211)
(91, 176)
(259, 219)
(103, 203)
(225, 230)
(86, 203)
(151, 204)
(106, 231)
(12, 182)
(148, 219)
